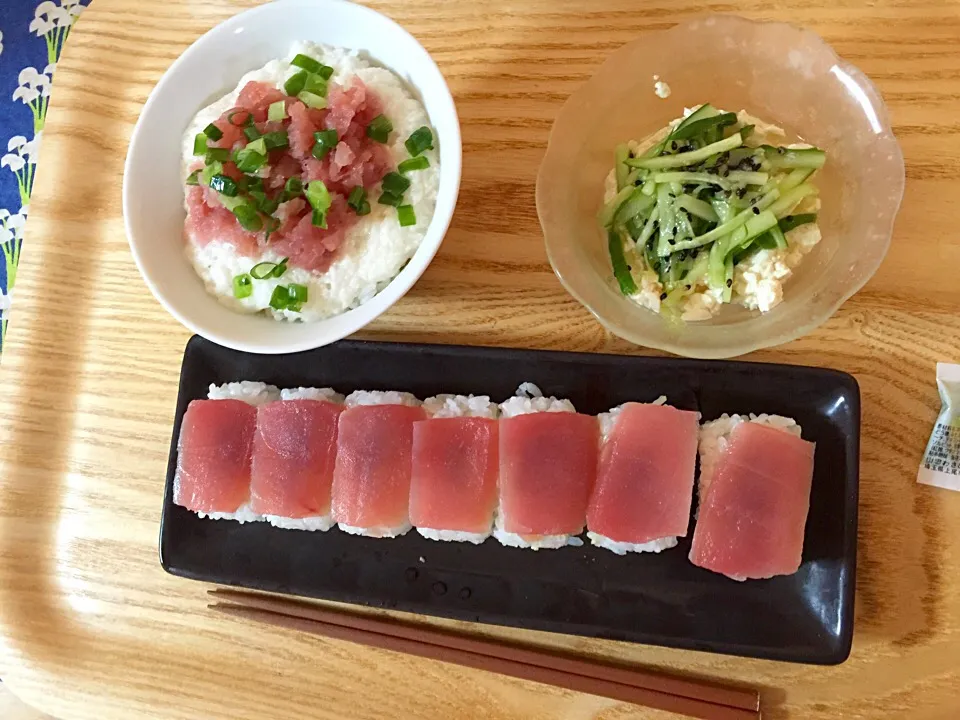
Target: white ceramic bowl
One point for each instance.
(212, 66)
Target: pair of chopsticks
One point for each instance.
(694, 698)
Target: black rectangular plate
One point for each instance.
(660, 599)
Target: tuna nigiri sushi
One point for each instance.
(214, 451)
(453, 491)
(371, 479)
(644, 489)
(548, 463)
(294, 449)
(755, 479)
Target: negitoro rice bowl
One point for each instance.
(309, 186)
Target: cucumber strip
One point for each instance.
(668, 220)
(634, 227)
(621, 153)
(722, 208)
(726, 246)
(706, 124)
(609, 211)
(783, 157)
(697, 207)
(728, 279)
(791, 222)
(635, 205)
(648, 229)
(742, 177)
(684, 228)
(724, 228)
(794, 178)
(779, 239)
(746, 131)
(620, 270)
(691, 157)
(649, 188)
(788, 201)
(632, 176)
(688, 178)
(704, 111)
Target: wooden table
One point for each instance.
(93, 628)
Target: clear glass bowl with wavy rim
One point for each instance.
(778, 72)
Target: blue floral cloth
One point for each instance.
(32, 34)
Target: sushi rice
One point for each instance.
(530, 399)
(313, 523)
(453, 406)
(607, 421)
(379, 397)
(254, 393)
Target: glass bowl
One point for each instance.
(777, 72)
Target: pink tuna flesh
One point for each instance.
(644, 483)
(454, 485)
(213, 456)
(548, 463)
(294, 450)
(371, 481)
(752, 517)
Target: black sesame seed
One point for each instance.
(788, 218)
(695, 253)
(687, 287)
(630, 267)
(663, 296)
(782, 150)
(673, 145)
(729, 283)
(672, 241)
(756, 211)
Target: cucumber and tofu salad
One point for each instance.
(710, 211)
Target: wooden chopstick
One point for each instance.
(642, 687)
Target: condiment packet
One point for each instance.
(941, 461)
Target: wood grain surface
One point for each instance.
(91, 627)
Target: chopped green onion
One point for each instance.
(292, 188)
(395, 183)
(277, 111)
(251, 133)
(325, 71)
(406, 215)
(319, 219)
(307, 63)
(224, 185)
(389, 198)
(200, 144)
(247, 217)
(356, 197)
(249, 161)
(280, 298)
(248, 120)
(294, 84)
(258, 146)
(379, 129)
(313, 100)
(254, 183)
(791, 222)
(357, 201)
(265, 270)
(316, 85)
(420, 139)
(620, 270)
(417, 163)
(297, 293)
(318, 196)
(216, 155)
(276, 140)
(326, 140)
(242, 286)
(193, 178)
(214, 168)
(213, 132)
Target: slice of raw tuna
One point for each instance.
(753, 507)
(371, 481)
(454, 485)
(293, 458)
(644, 483)
(548, 464)
(213, 456)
